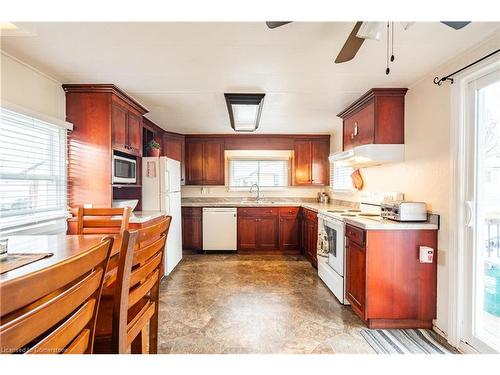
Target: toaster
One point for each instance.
(404, 211)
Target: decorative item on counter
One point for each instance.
(153, 148)
(323, 198)
(357, 179)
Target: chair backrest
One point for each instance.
(138, 276)
(102, 220)
(54, 310)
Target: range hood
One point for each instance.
(369, 155)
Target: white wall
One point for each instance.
(425, 173)
(25, 86)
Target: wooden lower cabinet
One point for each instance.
(247, 233)
(355, 283)
(386, 284)
(258, 229)
(192, 227)
(309, 235)
(289, 228)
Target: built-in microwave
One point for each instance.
(124, 170)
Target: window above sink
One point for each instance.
(269, 170)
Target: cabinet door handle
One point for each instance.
(356, 129)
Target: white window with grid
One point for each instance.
(267, 173)
(32, 169)
(340, 178)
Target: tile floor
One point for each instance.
(253, 304)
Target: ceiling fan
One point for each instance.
(366, 30)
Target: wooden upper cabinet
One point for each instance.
(376, 117)
(213, 155)
(320, 170)
(310, 160)
(134, 125)
(126, 129)
(119, 125)
(302, 163)
(174, 148)
(204, 161)
(194, 163)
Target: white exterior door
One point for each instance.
(481, 302)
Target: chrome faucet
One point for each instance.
(257, 198)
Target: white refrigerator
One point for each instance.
(161, 191)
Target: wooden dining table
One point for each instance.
(62, 246)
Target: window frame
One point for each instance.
(259, 159)
(56, 172)
(333, 177)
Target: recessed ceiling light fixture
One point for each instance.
(244, 111)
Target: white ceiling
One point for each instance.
(180, 71)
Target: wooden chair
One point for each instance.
(122, 320)
(54, 310)
(102, 220)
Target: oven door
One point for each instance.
(336, 244)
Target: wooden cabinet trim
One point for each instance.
(367, 97)
(108, 89)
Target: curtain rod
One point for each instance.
(438, 81)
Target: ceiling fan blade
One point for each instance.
(457, 25)
(275, 24)
(351, 45)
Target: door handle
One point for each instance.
(469, 215)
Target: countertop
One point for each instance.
(139, 217)
(315, 206)
(386, 224)
(360, 222)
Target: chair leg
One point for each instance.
(153, 334)
(153, 323)
(140, 344)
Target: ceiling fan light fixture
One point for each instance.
(371, 30)
(244, 111)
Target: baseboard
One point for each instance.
(444, 336)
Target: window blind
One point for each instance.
(265, 173)
(340, 177)
(32, 168)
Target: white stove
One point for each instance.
(331, 244)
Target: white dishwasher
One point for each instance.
(219, 228)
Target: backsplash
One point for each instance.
(224, 192)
